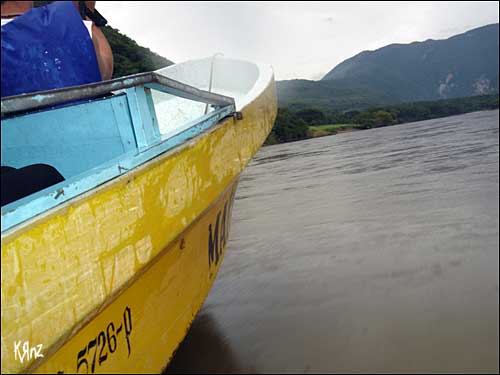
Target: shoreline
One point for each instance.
(325, 133)
(357, 127)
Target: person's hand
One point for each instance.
(88, 4)
(101, 46)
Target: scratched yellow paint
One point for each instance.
(161, 304)
(68, 274)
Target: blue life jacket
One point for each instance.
(46, 48)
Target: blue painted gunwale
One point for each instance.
(149, 145)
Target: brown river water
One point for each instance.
(369, 251)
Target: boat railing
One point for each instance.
(91, 137)
(41, 99)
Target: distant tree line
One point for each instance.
(293, 125)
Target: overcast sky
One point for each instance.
(299, 39)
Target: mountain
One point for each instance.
(129, 57)
(299, 94)
(460, 66)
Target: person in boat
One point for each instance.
(46, 48)
(50, 47)
(93, 20)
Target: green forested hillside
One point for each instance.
(463, 65)
(129, 57)
(327, 95)
(460, 66)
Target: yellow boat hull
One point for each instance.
(139, 330)
(111, 281)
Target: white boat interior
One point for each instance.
(238, 79)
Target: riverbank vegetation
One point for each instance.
(306, 123)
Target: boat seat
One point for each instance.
(17, 183)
